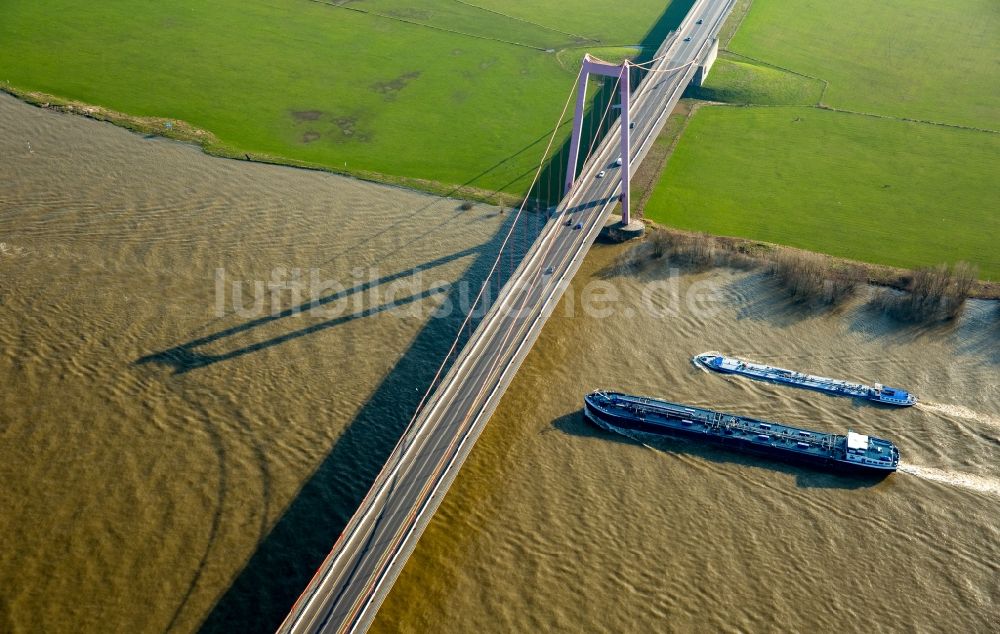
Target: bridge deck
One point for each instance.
(349, 587)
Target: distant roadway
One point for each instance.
(352, 582)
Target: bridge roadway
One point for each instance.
(352, 582)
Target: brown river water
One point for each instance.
(166, 468)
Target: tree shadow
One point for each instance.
(979, 331)
(575, 424)
(759, 297)
(976, 332)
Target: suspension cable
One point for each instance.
(600, 123)
(664, 70)
(495, 365)
(517, 218)
(500, 253)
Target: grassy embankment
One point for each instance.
(426, 93)
(863, 130)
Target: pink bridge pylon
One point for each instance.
(598, 67)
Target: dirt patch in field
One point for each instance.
(411, 14)
(307, 115)
(310, 135)
(389, 89)
(349, 130)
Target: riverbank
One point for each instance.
(459, 93)
(759, 252)
(702, 250)
(177, 130)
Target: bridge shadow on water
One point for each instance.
(805, 477)
(187, 357)
(286, 559)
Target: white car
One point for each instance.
(618, 162)
(601, 174)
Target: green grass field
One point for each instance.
(871, 188)
(863, 188)
(736, 81)
(924, 59)
(422, 89)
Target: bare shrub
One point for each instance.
(659, 243)
(466, 206)
(812, 279)
(741, 260)
(934, 293)
(964, 276)
(697, 251)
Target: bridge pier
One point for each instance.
(615, 230)
(621, 71)
(701, 74)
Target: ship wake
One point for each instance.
(958, 411)
(968, 481)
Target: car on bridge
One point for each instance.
(601, 174)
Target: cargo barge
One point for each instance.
(851, 452)
(877, 393)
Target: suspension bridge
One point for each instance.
(347, 590)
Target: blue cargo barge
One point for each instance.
(850, 452)
(877, 393)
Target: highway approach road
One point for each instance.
(349, 587)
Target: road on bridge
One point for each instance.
(349, 587)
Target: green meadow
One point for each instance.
(867, 131)
(436, 90)
(892, 192)
(736, 81)
(923, 59)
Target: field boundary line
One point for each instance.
(526, 21)
(725, 48)
(760, 62)
(434, 27)
(859, 113)
(746, 12)
(874, 115)
(823, 106)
